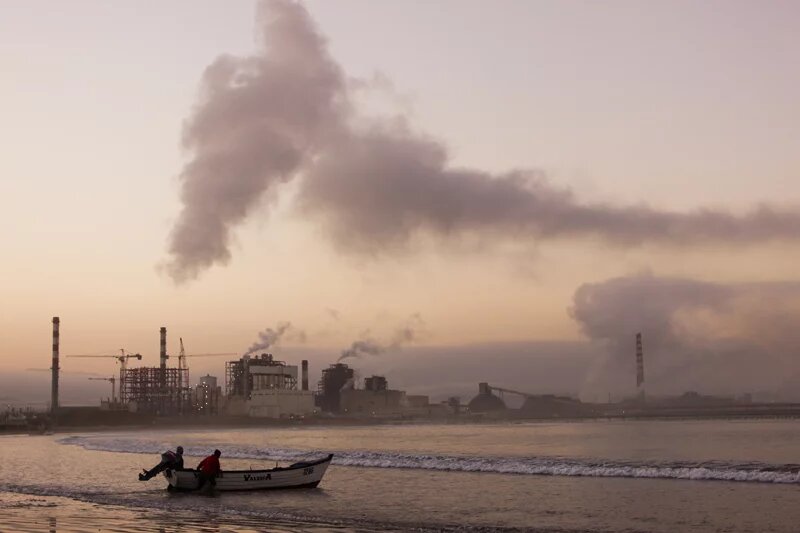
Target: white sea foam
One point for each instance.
(544, 466)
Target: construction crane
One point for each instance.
(113, 381)
(122, 358)
(182, 360)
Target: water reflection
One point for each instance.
(69, 516)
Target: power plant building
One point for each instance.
(264, 387)
(207, 395)
(374, 399)
(334, 379)
(157, 390)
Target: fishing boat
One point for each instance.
(305, 474)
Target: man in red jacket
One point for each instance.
(209, 470)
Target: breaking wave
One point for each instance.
(541, 466)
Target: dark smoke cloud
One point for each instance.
(405, 334)
(710, 337)
(374, 185)
(270, 337)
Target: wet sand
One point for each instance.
(22, 512)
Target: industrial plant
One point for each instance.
(260, 387)
(255, 386)
(337, 393)
(264, 387)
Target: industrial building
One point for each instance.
(374, 399)
(334, 378)
(377, 399)
(418, 401)
(207, 396)
(534, 405)
(485, 401)
(264, 387)
(156, 390)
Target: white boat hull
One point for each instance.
(299, 475)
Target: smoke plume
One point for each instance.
(375, 190)
(258, 119)
(709, 337)
(362, 347)
(270, 337)
(286, 113)
(349, 384)
(405, 334)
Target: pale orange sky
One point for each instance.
(673, 104)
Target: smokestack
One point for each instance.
(55, 368)
(304, 367)
(639, 364)
(246, 376)
(163, 348)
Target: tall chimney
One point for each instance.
(639, 364)
(246, 376)
(163, 348)
(304, 366)
(55, 368)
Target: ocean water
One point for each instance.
(620, 476)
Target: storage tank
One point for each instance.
(486, 401)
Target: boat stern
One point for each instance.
(181, 479)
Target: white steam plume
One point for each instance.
(259, 118)
(698, 335)
(285, 112)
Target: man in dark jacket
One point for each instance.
(209, 470)
(169, 459)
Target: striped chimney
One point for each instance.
(55, 367)
(639, 362)
(163, 348)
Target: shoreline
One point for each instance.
(205, 422)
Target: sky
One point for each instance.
(488, 175)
